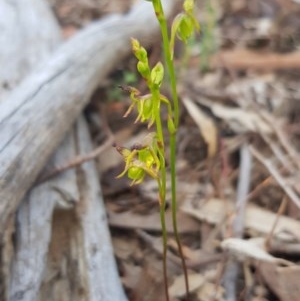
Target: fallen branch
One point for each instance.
(240, 59)
(39, 112)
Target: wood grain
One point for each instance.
(35, 117)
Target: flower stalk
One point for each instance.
(148, 158)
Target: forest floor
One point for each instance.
(238, 155)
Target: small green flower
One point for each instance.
(143, 69)
(145, 110)
(157, 75)
(143, 103)
(140, 160)
(136, 174)
(184, 24)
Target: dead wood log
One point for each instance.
(26, 38)
(35, 117)
(63, 247)
(23, 45)
(33, 229)
(82, 253)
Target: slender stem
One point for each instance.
(170, 66)
(164, 231)
(174, 210)
(162, 186)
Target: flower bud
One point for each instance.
(171, 126)
(188, 6)
(185, 28)
(139, 51)
(157, 74)
(135, 44)
(148, 107)
(143, 69)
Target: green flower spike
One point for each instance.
(142, 56)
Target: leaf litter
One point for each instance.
(248, 97)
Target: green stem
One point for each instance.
(164, 235)
(170, 66)
(169, 61)
(162, 185)
(174, 210)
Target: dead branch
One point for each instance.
(38, 113)
(37, 226)
(240, 59)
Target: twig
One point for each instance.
(232, 267)
(242, 59)
(276, 175)
(283, 139)
(78, 160)
(279, 154)
(267, 181)
(280, 211)
(292, 249)
(91, 156)
(242, 190)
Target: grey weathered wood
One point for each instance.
(23, 45)
(85, 257)
(63, 249)
(35, 117)
(34, 229)
(23, 39)
(85, 254)
(97, 277)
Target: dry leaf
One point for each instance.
(257, 220)
(239, 120)
(152, 221)
(150, 284)
(209, 292)
(205, 124)
(242, 250)
(131, 274)
(177, 289)
(283, 281)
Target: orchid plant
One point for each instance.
(148, 157)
